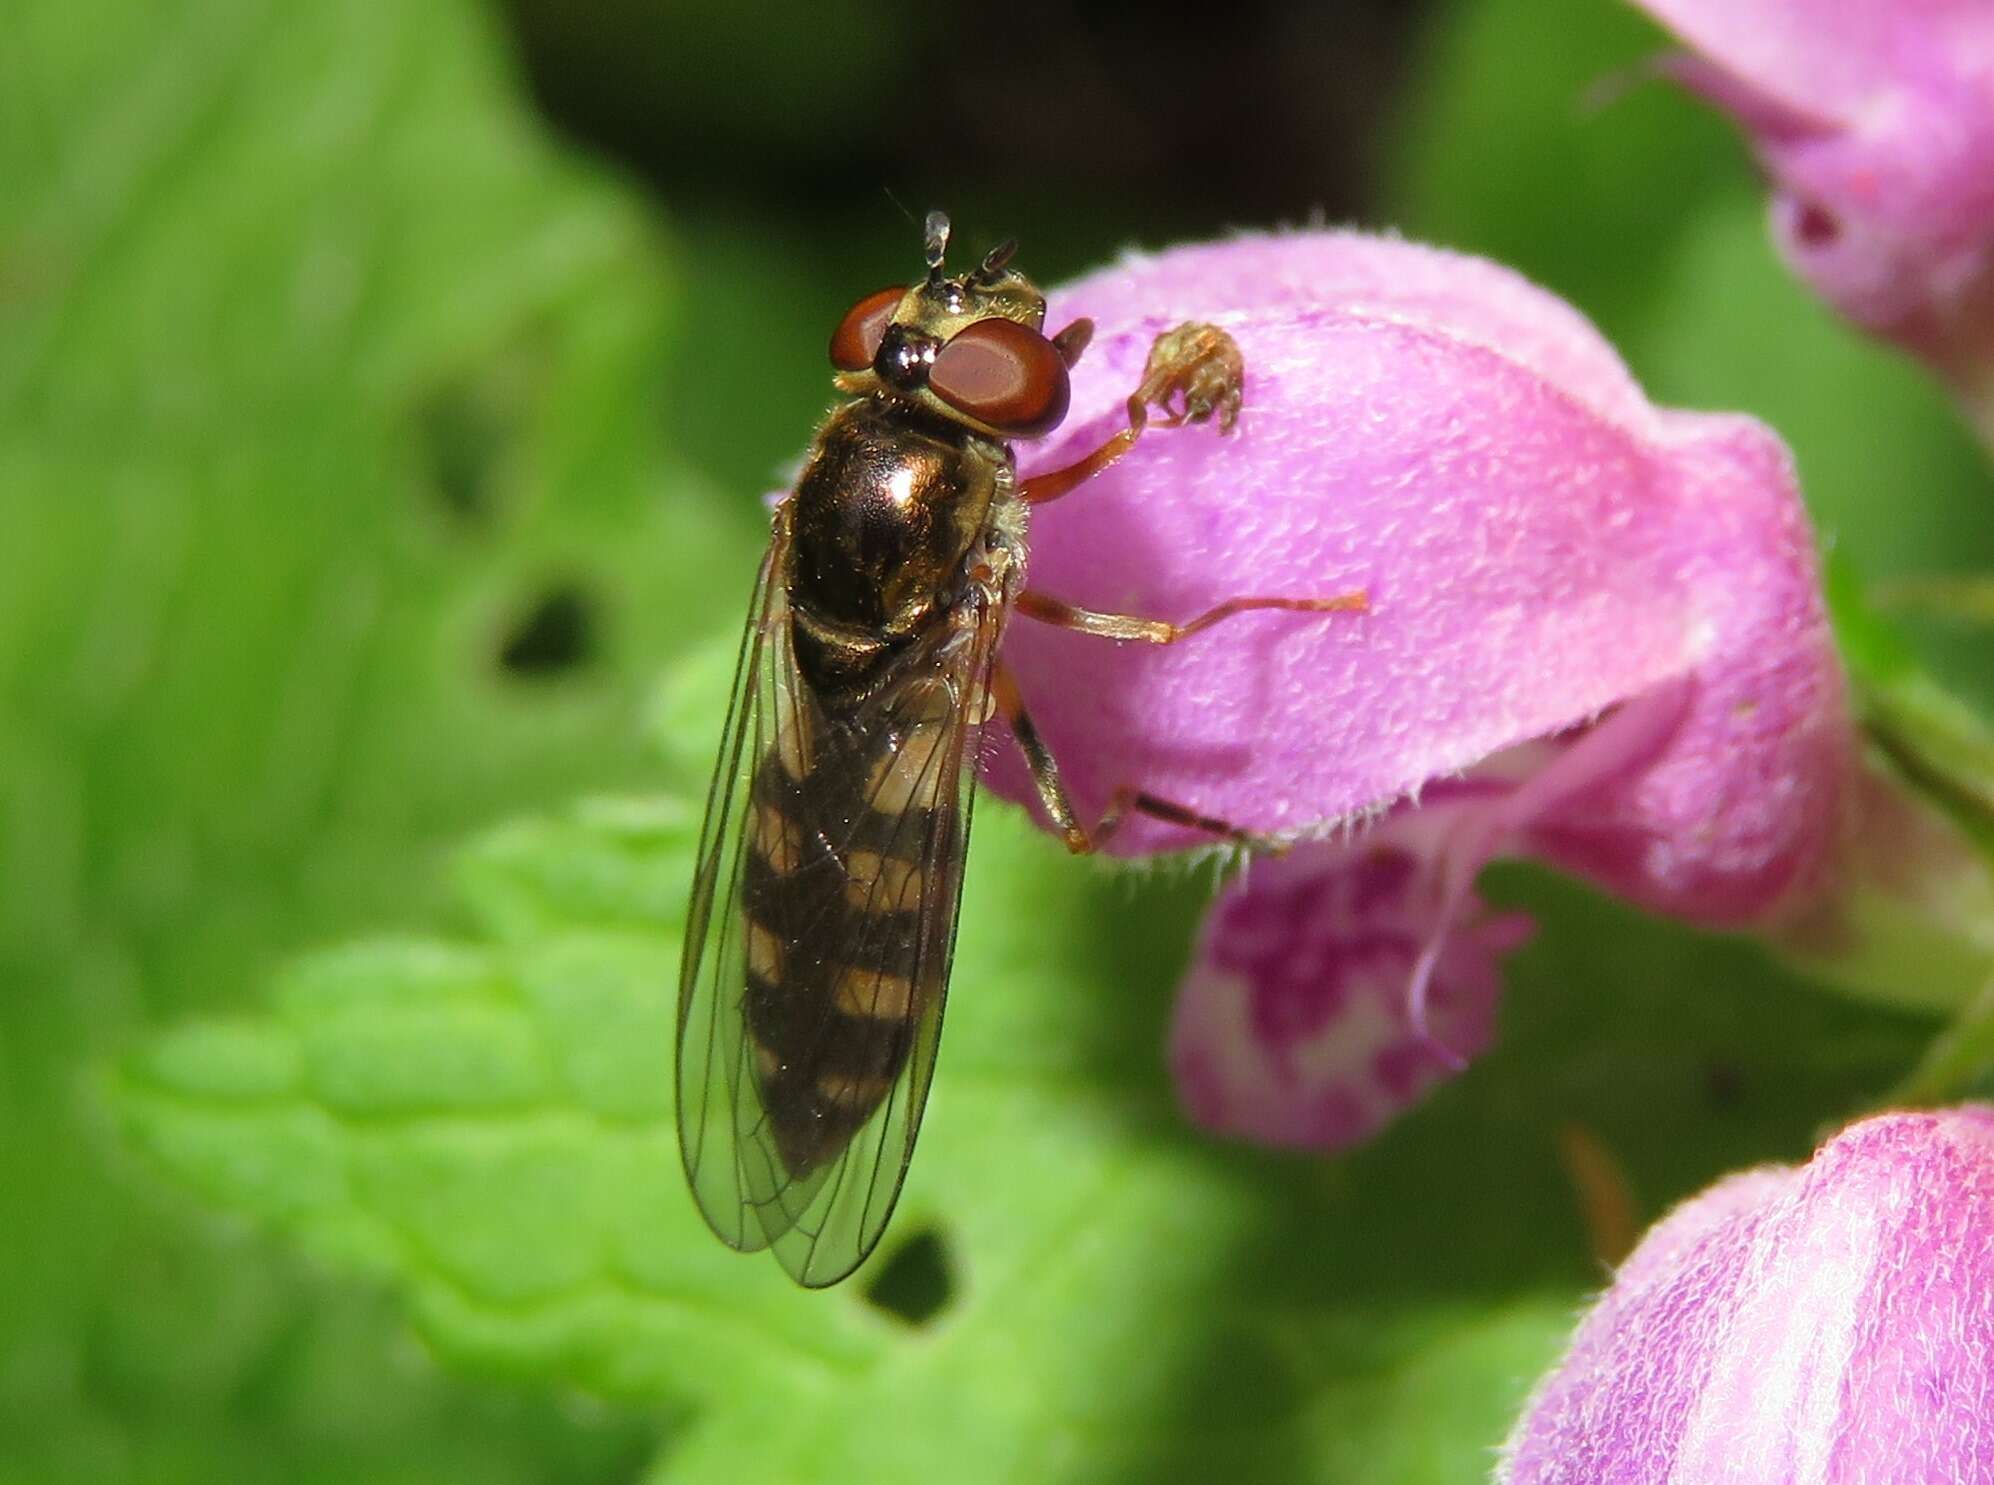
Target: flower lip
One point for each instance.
(1294, 1026)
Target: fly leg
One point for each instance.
(1052, 790)
(1198, 364)
(1049, 610)
(1045, 772)
(1202, 366)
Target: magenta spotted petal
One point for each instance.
(1598, 618)
(1874, 120)
(1824, 1325)
(1295, 1026)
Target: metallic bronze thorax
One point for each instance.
(887, 508)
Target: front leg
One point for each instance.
(1198, 364)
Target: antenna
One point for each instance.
(935, 242)
(995, 261)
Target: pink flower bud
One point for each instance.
(1595, 636)
(1875, 121)
(1825, 1325)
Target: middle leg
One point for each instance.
(1049, 610)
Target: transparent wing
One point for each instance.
(712, 970)
(818, 947)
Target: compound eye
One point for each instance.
(1005, 375)
(858, 335)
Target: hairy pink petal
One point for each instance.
(1826, 57)
(1826, 1325)
(1740, 811)
(1594, 636)
(1471, 300)
(1539, 546)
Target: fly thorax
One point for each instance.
(886, 509)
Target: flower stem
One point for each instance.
(1955, 1061)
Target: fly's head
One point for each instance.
(970, 347)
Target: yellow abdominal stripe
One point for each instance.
(767, 1063)
(904, 774)
(764, 954)
(792, 745)
(873, 994)
(778, 841)
(881, 884)
(852, 1093)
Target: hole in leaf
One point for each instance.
(465, 430)
(916, 1283)
(555, 635)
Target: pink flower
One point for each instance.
(1825, 1325)
(1595, 637)
(1875, 121)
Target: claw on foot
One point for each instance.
(1199, 365)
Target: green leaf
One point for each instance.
(487, 1120)
(1116, 1295)
(322, 378)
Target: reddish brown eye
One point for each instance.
(858, 335)
(1004, 375)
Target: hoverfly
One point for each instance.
(823, 911)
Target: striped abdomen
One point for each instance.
(847, 823)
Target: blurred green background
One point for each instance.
(386, 394)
